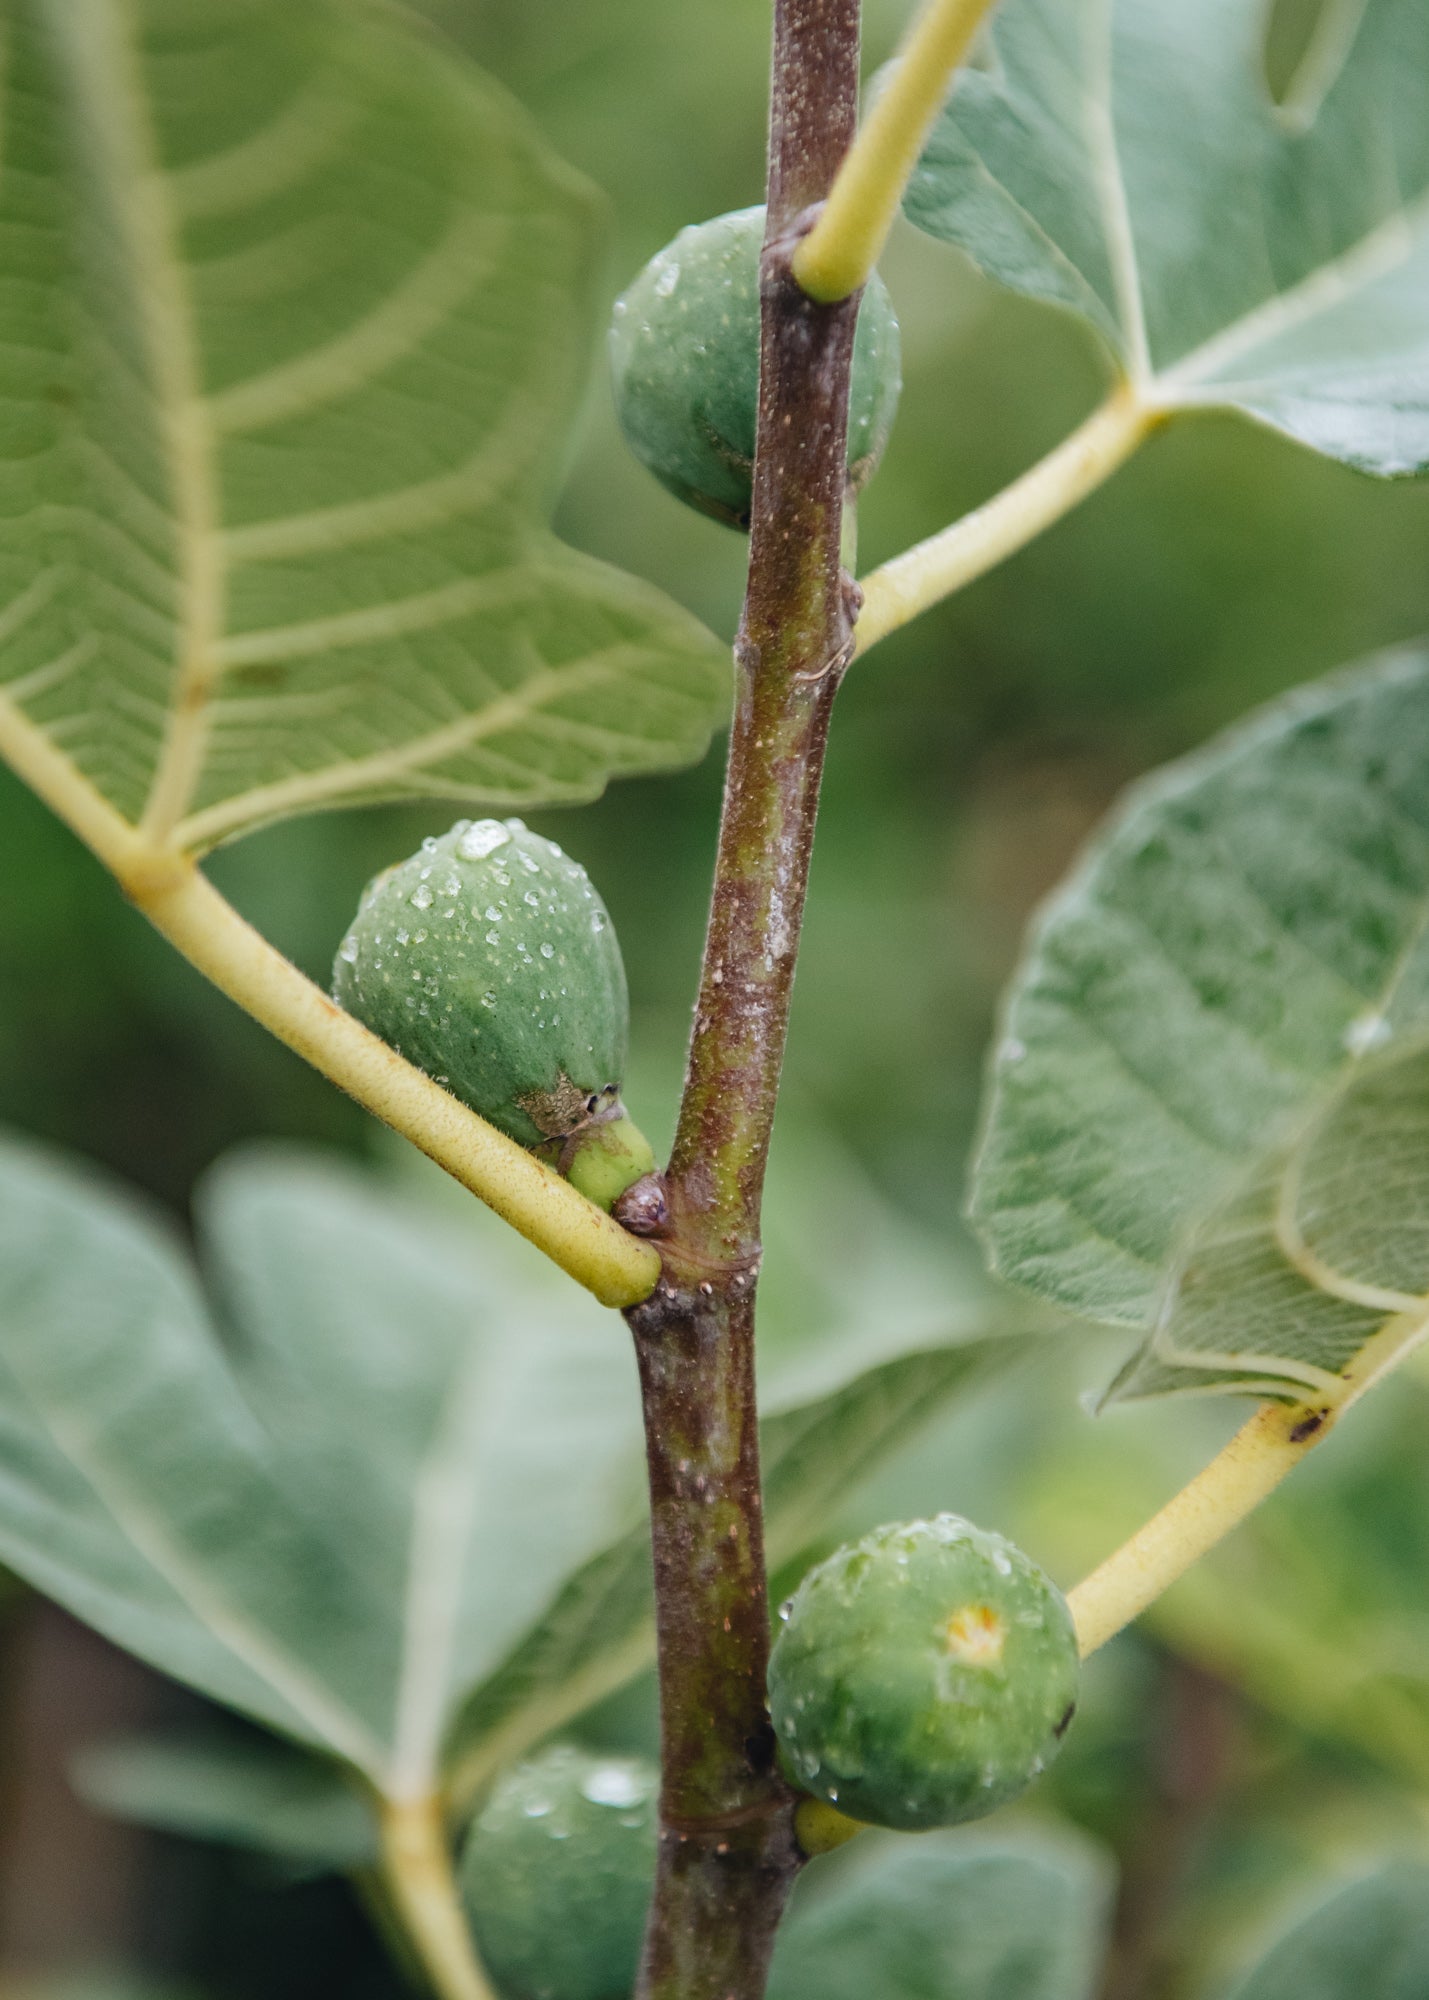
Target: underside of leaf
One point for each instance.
(1210, 1104)
(296, 309)
(1125, 159)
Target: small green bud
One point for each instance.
(490, 962)
(684, 353)
(556, 1875)
(923, 1675)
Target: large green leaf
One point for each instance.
(469, 1426)
(1125, 159)
(360, 1504)
(1369, 1939)
(950, 1917)
(137, 1487)
(295, 308)
(342, 1520)
(598, 1631)
(1209, 1104)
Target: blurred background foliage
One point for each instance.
(1269, 1728)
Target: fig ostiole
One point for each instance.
(556, 1874)
(684, 353)
(488, 960)
(923, 1675)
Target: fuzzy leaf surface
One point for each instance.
(1125, 159)
(1209, 1105)
(296, 308)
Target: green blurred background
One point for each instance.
(1238, 1750)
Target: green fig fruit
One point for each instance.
(923, 1675)
(556, 1875)
(490, 962)
(684, 352)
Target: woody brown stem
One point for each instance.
(728, 1854)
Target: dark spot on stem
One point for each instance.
(760, 1748)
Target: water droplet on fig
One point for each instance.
(482, 838)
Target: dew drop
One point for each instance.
(421, 897)
(667, 280)
(347, 951)
(482, 838)
(613, 1785)
(548, 951)
(1366, 1032)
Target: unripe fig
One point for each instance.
(556, 1875)
(490, 962)
(684, 353)
(923, 1675)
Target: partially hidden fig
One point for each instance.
(684, 355)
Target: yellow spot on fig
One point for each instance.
(975, 1635)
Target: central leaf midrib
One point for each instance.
(243, 1639)
(97, 42)
(451, 1469)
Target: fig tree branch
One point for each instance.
(728, 1852)
(837, 256)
